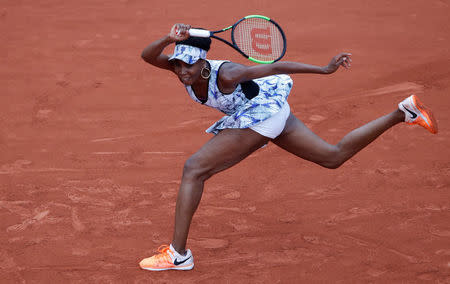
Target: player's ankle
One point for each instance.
(400, 114)
(182, 252)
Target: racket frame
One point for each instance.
(204, 33)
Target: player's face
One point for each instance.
(188, 73)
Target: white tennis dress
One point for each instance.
(245, 108)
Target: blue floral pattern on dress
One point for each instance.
(240, 111)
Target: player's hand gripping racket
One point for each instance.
(257, 38)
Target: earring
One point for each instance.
(207, 71)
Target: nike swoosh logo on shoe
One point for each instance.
(413, 114)
(176, 262)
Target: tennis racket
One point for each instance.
(257, 38)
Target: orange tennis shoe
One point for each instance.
(417, 113)
(168, 258)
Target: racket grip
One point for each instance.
(199, 33)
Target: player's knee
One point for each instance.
(332, 164)
(195, 169)
(333, 158)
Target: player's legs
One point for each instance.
(224, 150)
(302, 142)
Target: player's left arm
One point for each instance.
(234, 74)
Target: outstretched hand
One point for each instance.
(179, 32)
(342, 59)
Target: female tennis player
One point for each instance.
(254, 99)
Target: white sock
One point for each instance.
(177, 254)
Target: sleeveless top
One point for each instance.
(250, 103)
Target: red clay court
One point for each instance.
(93, 142)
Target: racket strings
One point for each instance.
(259, 38)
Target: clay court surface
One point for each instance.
(93, 142)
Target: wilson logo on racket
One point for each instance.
(257, 38)
(261, 40)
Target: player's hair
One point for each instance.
(200, 42)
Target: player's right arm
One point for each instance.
(153, 55)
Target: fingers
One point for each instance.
(345, 60)
(180, 31)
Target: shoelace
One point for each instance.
(163, 254)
